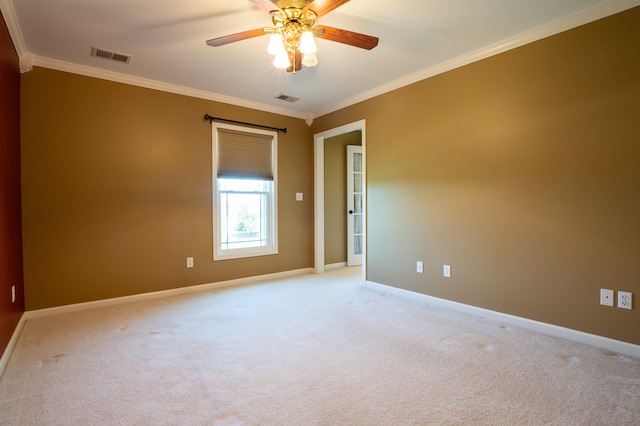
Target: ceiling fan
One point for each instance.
(292, 35)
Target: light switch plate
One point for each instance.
(606, 297)
(299, 196)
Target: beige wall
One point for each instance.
(522, 172)
(335, 195)
(117, 190)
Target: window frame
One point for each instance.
(272, 245)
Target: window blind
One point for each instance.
(244, 155)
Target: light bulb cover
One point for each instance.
(310, 59)
(282, 60)
(307, 43)
(275, 44)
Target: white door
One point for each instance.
(355, 205)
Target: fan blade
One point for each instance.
(298, 61)
(322, 7)
(231, 38)
(351, 38)
(266, 5)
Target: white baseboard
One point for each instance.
(335, 266)
(12, 343)
(39, 313)
(537, 326)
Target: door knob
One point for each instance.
(350, 211)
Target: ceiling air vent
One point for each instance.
(107, 54)
(287, 98)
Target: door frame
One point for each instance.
(318, 196)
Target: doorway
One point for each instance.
(319, 183)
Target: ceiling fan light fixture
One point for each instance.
(282, 59)
(292, 40)
(307, 43)
(275, 44)
(310, 59)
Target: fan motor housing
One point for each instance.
(296, 4)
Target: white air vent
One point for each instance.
(107, 54)
(287, 98)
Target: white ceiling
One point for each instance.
(166, 39)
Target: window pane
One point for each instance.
(357, 203)
(244, 215)
(357, 182)
(244, 221)
(357, 162)
(357, 224)
(246, 185)
(357, 244)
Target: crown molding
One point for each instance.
(159, 85)
(26, 63)
(11, 20)
(546, 30)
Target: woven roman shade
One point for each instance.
(244, 155)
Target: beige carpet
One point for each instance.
(314, 350)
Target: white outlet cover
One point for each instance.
(189, 262)
(419, 267)
(625, 300)
(446, 271)
(606, 297)
(299, 196)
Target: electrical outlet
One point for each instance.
(419, 266)
(625, 299)
(606, 297)
(189, 262)
(13, 294)
(299, 196)
(446, 271)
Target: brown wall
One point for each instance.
(522, 172)
(335, 195)
(117, 190)
(10, 216)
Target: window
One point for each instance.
(244, 186)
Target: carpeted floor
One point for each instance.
(310, 350)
